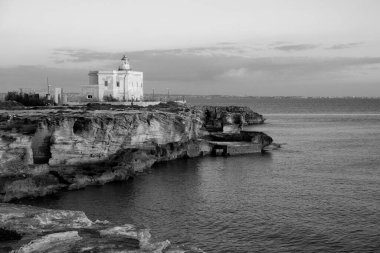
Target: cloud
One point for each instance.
(296, 47)
(61, 55)
(67, 55)
(222, 49)
(235, 73)
(226, 43)
(194, 64)
(298, 68)
(344, 45)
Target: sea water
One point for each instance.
(319, 193)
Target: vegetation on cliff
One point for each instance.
(26, 99)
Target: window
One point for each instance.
(89, 96)
(118, 84)
(105, 83)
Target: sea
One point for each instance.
(320, 192)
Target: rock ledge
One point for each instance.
(33, 229)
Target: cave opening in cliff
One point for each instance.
(8, 235)
(41, 146)
(81, 125)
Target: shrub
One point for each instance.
(26, 99)
(109, 98)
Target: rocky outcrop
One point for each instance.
(33, 229)
(229, 118)
(43, 151)
(242, 136)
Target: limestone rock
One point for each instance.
(29, 185)
(15, 153)
(229, 118)
(243, 136)
(26, 220)
(56, 242)
(32, 229)
(45, 150)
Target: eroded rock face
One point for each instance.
(243, 136)
(33, 229)
(43, 151)
(15, 153)
(95, 137)
(229, 118)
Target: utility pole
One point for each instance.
(153, 94)
(167, 99)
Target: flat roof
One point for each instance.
(114, 72)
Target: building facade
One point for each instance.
(123, 84)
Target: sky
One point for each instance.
(226, 47)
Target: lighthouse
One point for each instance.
(124, 64)
(123, 84)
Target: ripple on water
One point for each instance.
(319, 193)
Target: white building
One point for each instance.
(122, 84)
(58, 96)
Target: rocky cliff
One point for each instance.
(43, 151)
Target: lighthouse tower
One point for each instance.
(125, 64)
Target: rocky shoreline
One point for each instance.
(34, 229)
(45, 150)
